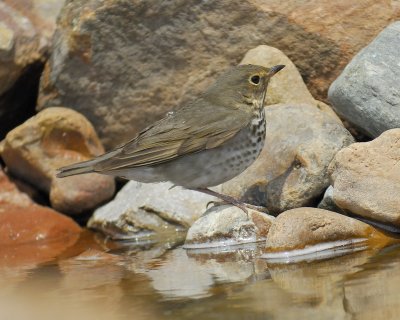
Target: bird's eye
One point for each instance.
(255, 79)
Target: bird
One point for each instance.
(200, 145)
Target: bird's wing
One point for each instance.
(186, 131)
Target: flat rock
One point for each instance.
(143, 209)
(366, 178)
(366, 93)
(127, 84)
(54, 138)
(226, 225)
(301, 228)
(291, 170)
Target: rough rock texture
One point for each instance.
(285, 87)
(125, 64)
(367, 92)
(291, 171)
(54, 138)
(366, 178)
(142, 209)
(302, 227)
(26, 28)
(29, 233)
(228, 225)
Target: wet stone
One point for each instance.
(227, 225)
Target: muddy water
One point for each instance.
(100, 279)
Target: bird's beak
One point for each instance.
(275, 69)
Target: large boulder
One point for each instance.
(367, 92)
(54, 138)
(291, 171)
(124, 64)
(366, 178)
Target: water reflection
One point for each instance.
(163, 281)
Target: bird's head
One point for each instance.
(244, 84)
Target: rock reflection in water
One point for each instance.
(181, 274)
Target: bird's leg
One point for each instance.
(228, 199)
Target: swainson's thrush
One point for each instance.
(202, 144)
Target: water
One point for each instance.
(163, 281)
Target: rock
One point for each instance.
(286, 87)
(291, 171)
(366, 93)
(366, 178)
(54, 138)
(225, 225)
(315, 229)
(29, 233)
(144, 209)
(327, 202)
(26, 29)
(127, 84)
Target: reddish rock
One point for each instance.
(29, 233)
(53, 138)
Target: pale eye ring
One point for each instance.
(255, 79)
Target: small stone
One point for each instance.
(54, 138)
(227, 225)
(306, 227)
(366, 178)
(145, 209)
(366, 93)
(291, 170)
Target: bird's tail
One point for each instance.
(83, 167)
(76, 168)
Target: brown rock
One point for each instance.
(126, 84)
(227, 225)
(54, 138)
(26, 27)
(291, 171)
(29, 233)
(303, 227)
(366, 178)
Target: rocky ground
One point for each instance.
(329, 173)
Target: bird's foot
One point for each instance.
(230, 200)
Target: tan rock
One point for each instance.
(304, 227)
(227, 225)
(288, 86)
(54, 138)
(366, 178)
(291, 171)
(128, 84)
